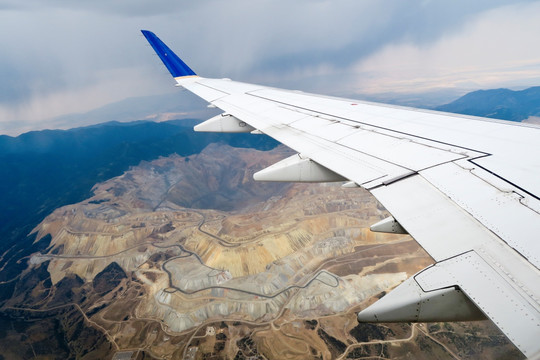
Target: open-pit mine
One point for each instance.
(189, 258)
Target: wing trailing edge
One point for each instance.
(410, 303)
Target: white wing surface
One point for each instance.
(466, 188)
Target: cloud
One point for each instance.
(496, 49)
(70, 56)
(122, 8)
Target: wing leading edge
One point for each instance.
(465, 188)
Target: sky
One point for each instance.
(60, 57)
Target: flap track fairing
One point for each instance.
(224, 123)
(409, 303)
(297, 169)
(389, 226)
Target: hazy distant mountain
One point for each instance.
(141, 108)
(498, 104)
(177, 105)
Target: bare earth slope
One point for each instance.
(189, 258)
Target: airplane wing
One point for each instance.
(467, 189)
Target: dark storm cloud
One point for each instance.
(22, 78)
(370, 27)
(127, 8)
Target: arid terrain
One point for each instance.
(189, 258)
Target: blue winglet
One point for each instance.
(174, 64)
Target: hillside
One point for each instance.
(43, 170)
(497, 104)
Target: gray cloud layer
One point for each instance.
(60, 56)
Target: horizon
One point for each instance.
(194, 109)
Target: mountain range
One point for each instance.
(501, 104)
